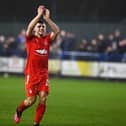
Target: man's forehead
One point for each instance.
(42, 24)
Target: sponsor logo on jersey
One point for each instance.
(41, 51)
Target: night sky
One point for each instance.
(65, 10)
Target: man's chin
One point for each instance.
(41, 34)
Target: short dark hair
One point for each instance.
(41, 22)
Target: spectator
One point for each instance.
(68, 41)
(93, 47)
(83, 45)
(2, 41)
(110, 44)
(101, 43)
(117, 39)
(11, 46)
(21, 43)
(122, 46)
(111, 48)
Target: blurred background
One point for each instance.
(87, 62)
(91, 43)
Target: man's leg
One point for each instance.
(23, 105)
(40, 110)
(31, 98)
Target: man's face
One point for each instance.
(40, 29)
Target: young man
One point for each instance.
(36, 71)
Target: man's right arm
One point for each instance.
(34, 21)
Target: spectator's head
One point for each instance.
(21, 37)
(93, 42)
(84, 42)
(117, 33)
(23, 32)
(10, 40)
(83, 45)
(70, 35)
(63, 33)
(110, 37)
(101, 37)
(2, 38)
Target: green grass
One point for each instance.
(71, 102)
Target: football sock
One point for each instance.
(39, 113)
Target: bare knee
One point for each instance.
(42, 100)
(29, 101)
(42, 97)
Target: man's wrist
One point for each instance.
(39, 15)
(47, 19)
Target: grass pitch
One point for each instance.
(71, 102)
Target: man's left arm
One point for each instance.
(53, 26)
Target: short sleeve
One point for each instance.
(27, 38)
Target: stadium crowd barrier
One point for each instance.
(72, 64)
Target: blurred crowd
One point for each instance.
(13, 45)
(112, 45)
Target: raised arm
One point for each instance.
(34, 21)
(53, 26)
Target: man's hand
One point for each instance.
(34, 21)
(41, 9)
(46, 14)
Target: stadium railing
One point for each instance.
(71, 63)
(91, 56)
